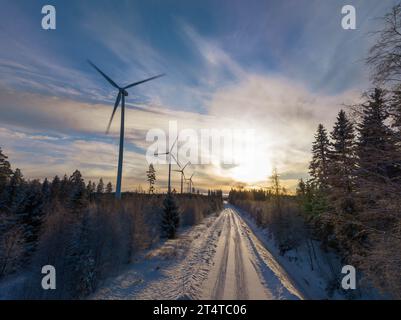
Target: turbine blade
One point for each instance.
(104, 75)
(175, 160)
(142, 81)
(186, 165)
(175, 141)
(114, 111)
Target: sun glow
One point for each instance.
(252, 167)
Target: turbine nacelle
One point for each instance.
(124, 92)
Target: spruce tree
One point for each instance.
(100, 186)
(109, 188)
(5, 171)
(318, 168)
(13, 193)
(30, 215)
(46, 191)
(318, 171)
(65, 189)
(78, 195)
(171, 217)
(342, 162)
(55, 188)
(151, 177)
(377, 153)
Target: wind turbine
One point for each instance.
(182, 174)
(190, 182)
(122, 93)
(169, 154)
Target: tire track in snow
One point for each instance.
(241, 285)
(218, 289)
(275, 278)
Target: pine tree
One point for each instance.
(13, 193)
(89, 189)
(151, 175)
(82, 258)
(64, 189)
(342, 165)
(46, 190)
(276, 187)
(30, 215)
(171, 217)
(100, 186)
(78, 195)
(109, 188)
(55, 188)
(377, 153)
(318, 168)
(301, 188)
(11, 246)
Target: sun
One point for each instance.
(251, 168)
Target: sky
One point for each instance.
(278, 68)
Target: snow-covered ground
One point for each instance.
(315, 272)
(225, 257)
(218, 259)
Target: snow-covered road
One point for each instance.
(242, 268)
(218, 259)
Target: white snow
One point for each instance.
(310, 268)
(243, 268)
(225, 257)
(218, 259)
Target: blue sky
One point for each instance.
(216, 55)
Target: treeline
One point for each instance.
(272, 207)
(354, 193)
(24, 205)
(81, 229)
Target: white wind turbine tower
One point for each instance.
(169, 154)
(182, 175)
(122, 93)
(190, 183)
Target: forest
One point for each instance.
(82, 230)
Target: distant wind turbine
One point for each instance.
(182, 175)
(191, 183)
(122, 93)
(169, 154)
